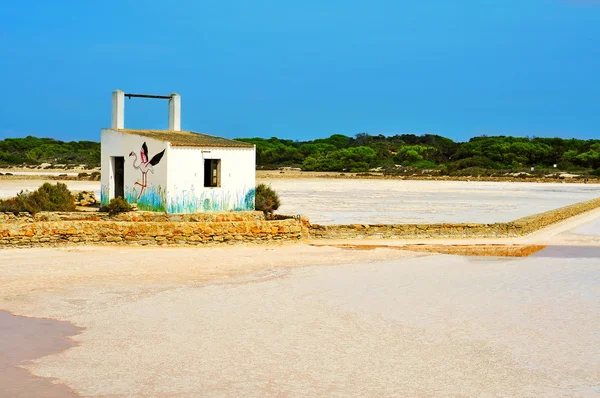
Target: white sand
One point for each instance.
(257, 321)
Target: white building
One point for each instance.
(175, 171)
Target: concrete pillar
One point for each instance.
(175, 112)
(118, 110)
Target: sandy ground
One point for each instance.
(300, 320)
(330, 201)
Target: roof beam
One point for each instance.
(131, 95)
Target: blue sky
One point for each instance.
(305, 69)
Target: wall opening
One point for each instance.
(119, 176)
(212, 172)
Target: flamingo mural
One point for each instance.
(145, 165)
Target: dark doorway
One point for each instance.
(212, 172)
(119, 176)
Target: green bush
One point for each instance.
(266, 199)
(425, 164)
(116, 206)
(47, 198)
(471, 172)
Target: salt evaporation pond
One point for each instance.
(332, 201)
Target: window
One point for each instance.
(212, 172)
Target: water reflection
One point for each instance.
(569, 252)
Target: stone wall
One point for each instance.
(52, 229)
(520, 227)
(136, 216)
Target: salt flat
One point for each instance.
(297, 320)
(337, 201)
(349, 201)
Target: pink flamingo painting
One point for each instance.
(145, 166)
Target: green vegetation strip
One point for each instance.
(400, 154)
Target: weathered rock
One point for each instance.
(85, 198)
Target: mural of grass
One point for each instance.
(153, 198)
(104, 194)
(211, 200)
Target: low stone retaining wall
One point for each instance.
(410, 231)
(535, 222)
(136, 216)
(520, 227)
(134, 229)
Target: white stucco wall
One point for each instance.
(177, 184)
(186, 191)
(115, 143)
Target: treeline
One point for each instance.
(364, 152)
(32, 150)
(360, 153)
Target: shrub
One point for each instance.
(475, 161)
(471, 172)
(425, 164)
(266, 199)
(47, 198)
(116, 206)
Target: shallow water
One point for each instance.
(23, 339)
(588, 252)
